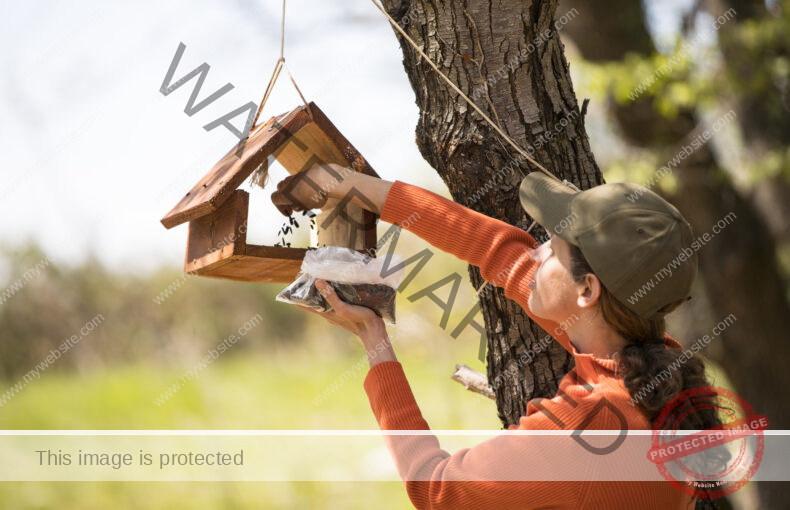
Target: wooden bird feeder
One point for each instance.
(217, 211)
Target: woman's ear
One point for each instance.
(589, 291)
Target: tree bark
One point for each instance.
(470, 42)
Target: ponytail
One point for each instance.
(649, 369)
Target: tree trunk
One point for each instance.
(471, 42)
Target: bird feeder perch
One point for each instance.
(217, 211)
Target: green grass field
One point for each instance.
(260, 392)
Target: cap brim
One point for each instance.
(548, 201)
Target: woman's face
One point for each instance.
(554, 293)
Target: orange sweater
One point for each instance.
(495, 246)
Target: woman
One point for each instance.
(604, 249)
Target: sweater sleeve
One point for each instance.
(485, 476)
(501, 251)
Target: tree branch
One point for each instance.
(473, 380)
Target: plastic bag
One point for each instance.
(356, 278)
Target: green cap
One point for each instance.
(637, 243)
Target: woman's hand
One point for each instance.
(359, 320)
(297, 192)
(311, 189)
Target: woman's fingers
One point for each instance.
(307, 309)
(286, 182)
(331, 297)
(353, 318)
(283, 204)
(295, 195)
(281, 184)
(330, 316)
(345, 311)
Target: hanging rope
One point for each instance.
(281, 63)
(464, 96)
(478, 110)
(260, 175)
(276, 73)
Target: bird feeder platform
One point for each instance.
(217, 211)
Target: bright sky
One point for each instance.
(94, 155)
(87, 132)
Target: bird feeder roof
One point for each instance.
(309, 127)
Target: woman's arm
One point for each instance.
(310, 189)
(489, 475)
(501, 251)
(485, 476)
(493, 245)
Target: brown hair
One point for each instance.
(645, 356)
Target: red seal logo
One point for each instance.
(711, 463)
